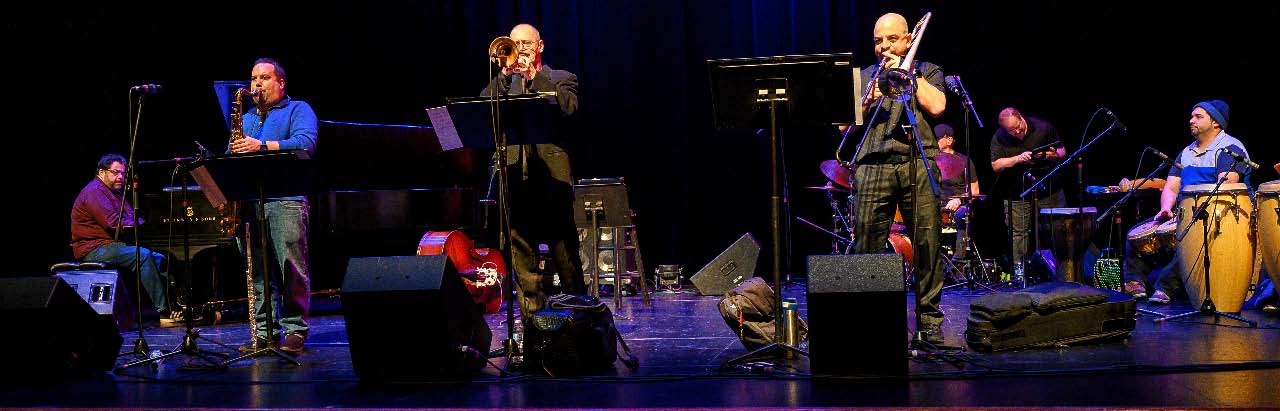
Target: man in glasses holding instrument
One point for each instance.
(890, 173)
(1023, 149)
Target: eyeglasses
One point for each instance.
(526, 44)
(113, 172)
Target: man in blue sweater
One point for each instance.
(281, 123)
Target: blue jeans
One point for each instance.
(122, 257)
(287, 223)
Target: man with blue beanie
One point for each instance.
(1204, 161)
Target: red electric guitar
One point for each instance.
(481, 269)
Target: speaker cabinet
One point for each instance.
(727, 270)
(104, 293)
(50, 332)
(411, 318)
(857, 315)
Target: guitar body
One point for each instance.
(481, 269)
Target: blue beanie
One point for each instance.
(1217, 109)
(943, 130)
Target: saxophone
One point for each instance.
(237, 133)
(230, 212)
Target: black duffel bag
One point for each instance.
(574, 335)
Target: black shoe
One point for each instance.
(262, 343)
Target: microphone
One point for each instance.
(1163, 157)
(1118, 124)
(145, 88)
(204, 152)
(1242, 159)
(953, 83)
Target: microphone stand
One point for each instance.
(140, 346)
(1066, 161)
(1207, 307)
(510, 347)
(1132, 190)
(968, 192)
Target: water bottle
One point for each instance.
(1019, 274)
(791, 322)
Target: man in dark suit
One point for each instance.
(540, 181)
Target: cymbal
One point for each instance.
(829, 187)
(836, 173)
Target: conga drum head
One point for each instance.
(1231, 244)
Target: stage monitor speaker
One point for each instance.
(857, 315)
(410, 318)
(730, 268)
(102, 290)
(51, 332)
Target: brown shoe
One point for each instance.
(1136, 289)
(293, 343)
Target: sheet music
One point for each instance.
(445, 130)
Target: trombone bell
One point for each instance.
(502, 51)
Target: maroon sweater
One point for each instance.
(93, 217)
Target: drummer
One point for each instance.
(953, 166)
(1204, 161)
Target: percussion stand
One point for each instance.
(1206, 308)
(1122, 200)
(970, 279)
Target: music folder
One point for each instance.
(468, 122)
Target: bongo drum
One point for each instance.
(1152, 237)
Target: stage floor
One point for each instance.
(681, 342)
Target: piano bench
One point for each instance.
(76, 266)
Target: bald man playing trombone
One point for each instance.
(890, 172)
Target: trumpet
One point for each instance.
(502, 51)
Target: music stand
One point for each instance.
(472, 122)
(240, 177)
(783, 91)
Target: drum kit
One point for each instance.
(1241, 241)
(840, 188)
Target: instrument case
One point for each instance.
(1047, 315)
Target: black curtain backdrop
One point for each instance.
(645, 112)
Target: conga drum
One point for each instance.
(1231, 247)
(1067, 231)
(1269, 228)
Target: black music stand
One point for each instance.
(473, 122)
(240, 177)
(784, 91)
